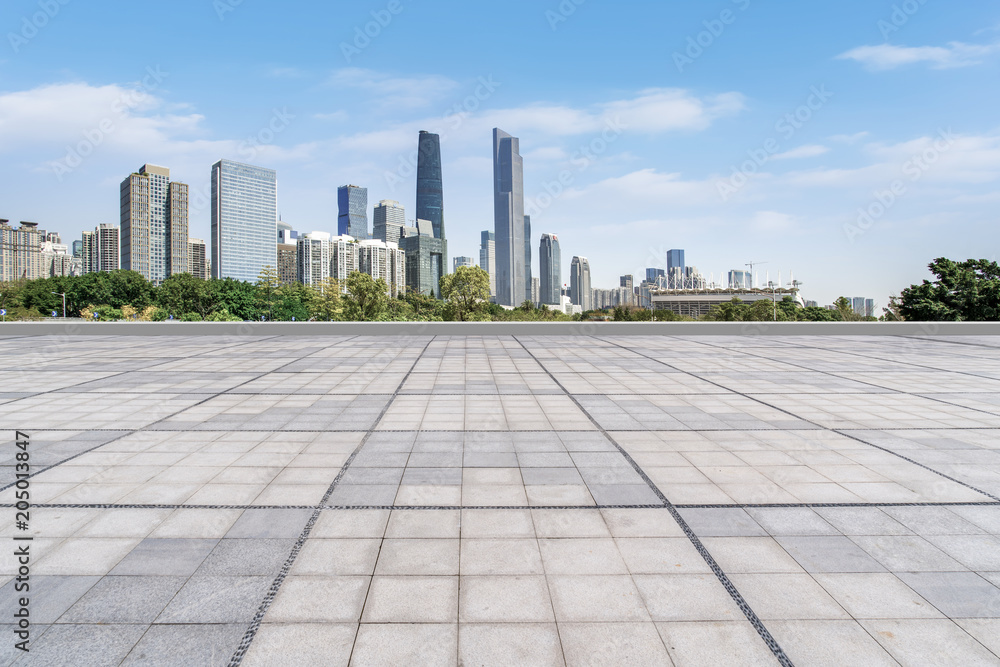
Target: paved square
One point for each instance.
(467, 500)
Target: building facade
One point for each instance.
(509, 220)
(740, 280)
(388, 222)
(430, 188)
(352, 204)
(20, 251)
(100, 249)
(425, 260)
(488, 259)
(244, 220)
(696, 303)
(154, 224)
(313, 259)
(461, 261)
(550, 270)
(198, 258)
(343, 258)
(675, 269)
(579, 283)
(383, 260)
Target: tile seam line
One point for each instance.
(833, 430)
(727, 584)
(251, 632)
(148, 427)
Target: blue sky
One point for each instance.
(902, 100)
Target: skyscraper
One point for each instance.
(579, 281)
(488, 259)
(352, 202)
(78, 248)
(383, 260)
(197, 259)
(313, 261)
(244, 220)
(20, 251)
(389, 220)
(509, 220)
(653, 275)
(675, 269)
(154, 224)
(100, 249)
(425, 261)
(527, 257)
(550, 270)
(462, 261)
(430, 190)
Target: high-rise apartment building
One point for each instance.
(579, 283)
(462, 261)
(383, 260)
(288, 250)
(154, 224)
(388, 222)
(626, 282)
(198, 259)
(56, 260)
(488, 259)
(20, 252)
(100, 249)
(509, 220)
(343, 258)
(430, 188)
(536, 288)
(550, 270)
(313, 259)
(352, 203)
(244, 220)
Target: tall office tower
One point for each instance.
(100, 249)
(352, 203)
(20, 252)
(488, 259)
(626, 282)
(653, 275)
(425, 259)
(430, 191)
(314, 258)
(383, 260)
(154, 224)
(343, 258)
(527, 255)
(739, 280)
(675, 269)
(869, 307)
(462, 261)
(579, 281)
(389, 220)
(78, 248)
(244, 220)
(550, 270)
(509, 219)
(536, 288)
(198, 259)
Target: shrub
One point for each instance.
(191, 317)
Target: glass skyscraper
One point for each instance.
(527, 258)
(352, 203)
(488, 258)
(675, 269)
(244, 220)
(430, 191)
(509, 220)
(550, 267)
(579, 279)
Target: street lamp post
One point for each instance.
(774, 298)
(64, 302)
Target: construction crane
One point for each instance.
(753, 282)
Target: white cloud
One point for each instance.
(395, 93)
(773, 221)
(886, 56)
(850, 139)
(802, 152)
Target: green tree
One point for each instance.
(325, 305)
(130, 288)
(267, 289)
(293, 301)
(367, 299)
(966, 291)
(184, 293)
(466, 291)
(236, 297)
(845, 308)
(893, 312)
(732, 311)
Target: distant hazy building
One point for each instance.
(740, 280)
(313, 260)
(675, 269)
(812, 304)
(509, 220)
(425, 259)
(244, 220)
(198, 259)
(864, 307)
(527, 251)
(549, 270)
(536, 292)
(389, 220)
(488, 258)
(78, 249)
(383, 260)
(100, 249)
(56, 260)
(287, 254)
(628, 282)
(154, 224)
(352, 203)
(579, 281)
(462, 261)
(20, 251)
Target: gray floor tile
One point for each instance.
(168, 645)
(157, 556)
